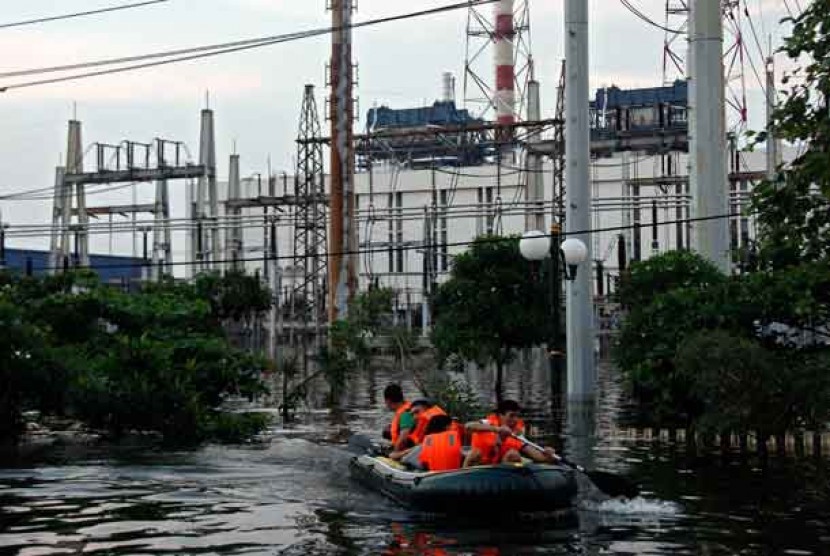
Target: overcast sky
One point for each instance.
(257, 94)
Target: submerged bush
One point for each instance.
(153, 361)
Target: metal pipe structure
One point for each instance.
(534, 193)
(505, 31)
(707, 135)
(343, 236)
(579, 316)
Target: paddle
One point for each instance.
(362, 444)
(611, 484)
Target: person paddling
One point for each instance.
(403, 422)
(494, 439)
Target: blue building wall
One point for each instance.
(110, 268)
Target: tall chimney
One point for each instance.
(505, 31)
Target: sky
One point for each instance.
(257, 94)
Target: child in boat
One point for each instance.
(494, 439)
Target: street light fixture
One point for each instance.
(537, 246)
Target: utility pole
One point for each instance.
(579, 316)
(343, 237)
(773, 151)
(707, 135)
(534, 192)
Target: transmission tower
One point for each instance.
(310, 238)
(735, 54)
(498, 36)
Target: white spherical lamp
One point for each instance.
(575, 251)
(534, 245)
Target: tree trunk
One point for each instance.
(499, 380)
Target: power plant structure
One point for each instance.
(633, 172)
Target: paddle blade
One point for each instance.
(613, 485)
(362, 444)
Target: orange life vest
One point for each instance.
(395, 427)
(486, 442)
(441, 451)
(423, 420)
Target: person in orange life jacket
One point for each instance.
(441, 448)
(493, 441)
(403, 422)
(423, 411)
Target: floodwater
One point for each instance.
(290, 494)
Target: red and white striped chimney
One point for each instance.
(505, 99)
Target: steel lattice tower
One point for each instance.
(310, 237)
(735, 54)
(493, 35)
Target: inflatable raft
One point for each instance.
(488, 489)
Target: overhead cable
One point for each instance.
(407, 247)
(212, 50)
(648, 20)
(80, 14)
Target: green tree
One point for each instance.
(491, 305)
(667, 271)
(794, 209)
(157, 360)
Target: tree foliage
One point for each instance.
(491, 305)
(795, 207)
(157, 360)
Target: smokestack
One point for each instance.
(505, 99)
(448, 89)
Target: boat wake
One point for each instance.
(638, 506)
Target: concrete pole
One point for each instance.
(233, 239)
(707, 134)
(56, 237)
(343, 236)
(158, 230)
(75, 165)
(206, 201)
(773, 146)
(534, 193)
(190, 238)
(579, 321)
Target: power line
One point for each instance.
(212, 50)
(385, 249)
(80, 14)
(648, 20)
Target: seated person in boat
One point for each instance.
(494, 439)
(403, 421)
(424, 411)
(440, 449)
